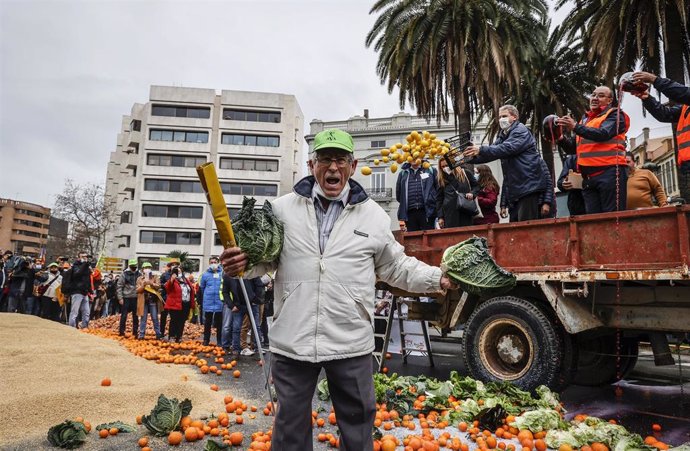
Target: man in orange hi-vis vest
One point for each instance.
(600, 145)
(673, 113)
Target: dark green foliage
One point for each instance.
(121, 427)
(258, 232)
(68, 435)
(166, 416)
(470, 265)
(212, 445)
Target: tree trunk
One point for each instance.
(675, 70)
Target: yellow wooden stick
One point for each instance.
(214, 195)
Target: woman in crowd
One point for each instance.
(451, 184)
(488, 194)
(179, 301)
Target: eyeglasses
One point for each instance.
(341, 162)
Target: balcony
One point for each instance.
(380, 194)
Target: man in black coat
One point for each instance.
(76, 283)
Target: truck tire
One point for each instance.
(511, 339)
(597, 362)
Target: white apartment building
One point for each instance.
(254, 139)
(370, 135)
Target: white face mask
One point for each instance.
(504, 123)
(213, 266)
(147, 271)
(447, 170)
(343, 193)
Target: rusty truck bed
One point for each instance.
(650, 244)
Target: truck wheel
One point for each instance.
(511, 339)
(597, 362)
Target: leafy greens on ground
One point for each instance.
(166, 416)
(68, 435)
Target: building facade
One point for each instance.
(370, 135)
(254, 139)
(656, 146)
(23, 227)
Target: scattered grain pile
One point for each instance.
(51, 372)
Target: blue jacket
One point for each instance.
(429, 189)
(520, 162)
(209, 287)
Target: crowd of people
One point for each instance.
(78, 292)
(598, 174)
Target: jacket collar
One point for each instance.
(305, 187)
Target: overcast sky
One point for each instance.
(69, 70)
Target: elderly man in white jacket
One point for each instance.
(337, 241)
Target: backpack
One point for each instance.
(67, 284)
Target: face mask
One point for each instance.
(476, 176)
(504, 123)
(133, 268)
(147, 271)
(447, 170)
(213, 266)
(342, 195)
(38, 266)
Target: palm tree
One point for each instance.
(187, 264)
(454, 55)
(555, 82)
(621, 33)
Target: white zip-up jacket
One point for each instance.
(324, 303)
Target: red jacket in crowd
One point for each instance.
(173, 292)
(487, 203)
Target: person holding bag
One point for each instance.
(50, 308)
(456, 203)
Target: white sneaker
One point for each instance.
(247, 351)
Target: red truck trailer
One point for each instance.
(588, 289)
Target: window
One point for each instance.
(250, 140)
(249, 189)
(127, 240)
(234, 114)
(181, 161)
(30, 223)
(181, 111)
(165, 237)
(172, 211)
(30, 213)
(668, 177)
(172, 186)
(27, 233)
(249, 164)
(377, 144)
(178, 136)
(378, 179)
(126, 217)
(155, 262)
(135, 125)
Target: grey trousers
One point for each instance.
(351, 385)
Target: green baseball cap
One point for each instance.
(146, 265)
(132, 262)
(334, 139)
(53, 264)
